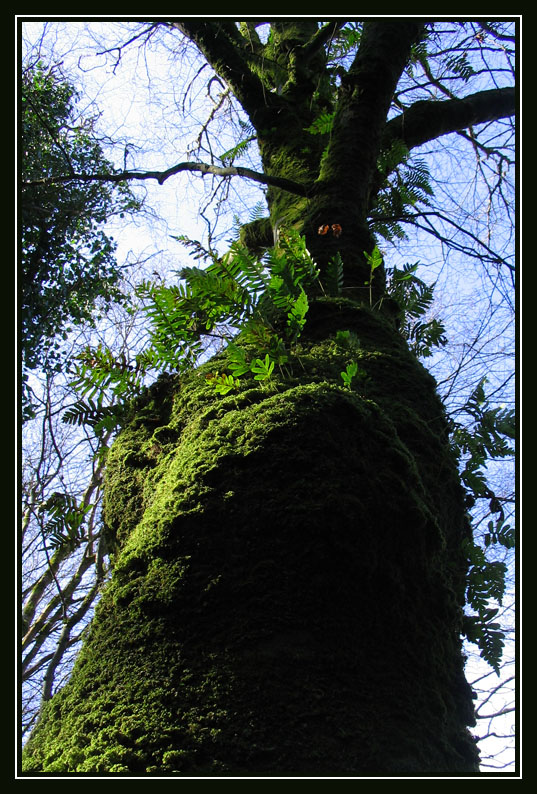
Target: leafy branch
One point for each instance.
(485, 439)
(412, 299)
(402, 183)
(233, 294)
(65, 524)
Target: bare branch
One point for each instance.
(494, 33)
(500, 713)
(65, 637)
(161, 176)
(146, 33)
(225, 50)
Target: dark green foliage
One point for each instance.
(198, 251)
(333, 278)
(99, 373)
(88, 412)
(487, 635)
(64, 522)
(322, 124)
(405, 183)
(424, 336)
(454, 64)
(501, 533)
(485, 439)
(237, 292)
(459, 65)
(486, 582)
(232, 154)
(347, 39)
(390, 158)
(68, 263)
(414, 298)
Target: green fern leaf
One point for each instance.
(322, 124)
(333, 280)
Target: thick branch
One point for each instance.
(322, 37)
(426, 120)
(248, 31)
(367, 91)
(223, 47)
(348, 169)
(161, 176)
(41, 585)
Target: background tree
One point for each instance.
(69, 276)
(68, 261)
(309, 41)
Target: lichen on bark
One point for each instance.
(288, 578)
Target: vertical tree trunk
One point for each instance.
(288, 580)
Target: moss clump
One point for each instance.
(287, 580)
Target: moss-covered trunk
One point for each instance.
(287, 588)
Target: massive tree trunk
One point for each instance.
(288, 571)
(288, 581)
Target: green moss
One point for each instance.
(257, 236)
(286, 589)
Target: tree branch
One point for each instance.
(348, 169)
(500, 713)
(161, 176)
(495, 34)
(489, 255)
(251, 37)
(323, 35)
(224, 48)
(426, 120)
(65, 637)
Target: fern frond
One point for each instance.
(392, 157)
(249, 133)
(199, 251)
(459, 65)
(87, 412)
(347, 39)
(322, 124)
(231, 155)
(333, 279)
(488, 637)
(65, 525)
